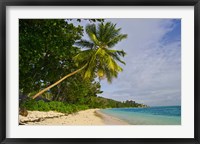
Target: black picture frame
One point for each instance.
(5, 3)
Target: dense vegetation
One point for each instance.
(64, 107)
(50, 48)
(46, 50)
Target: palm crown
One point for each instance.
(99, 58)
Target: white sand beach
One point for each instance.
(86, 117)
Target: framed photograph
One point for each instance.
(99, 71)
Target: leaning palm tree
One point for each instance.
(98, 58)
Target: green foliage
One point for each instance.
(52, 106)
(90, 20)
(100, 59)
(46, 51)
(68, 108)
(100, 102)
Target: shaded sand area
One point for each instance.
(86, 117)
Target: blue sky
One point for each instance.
(152, 74)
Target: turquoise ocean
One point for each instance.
(159, 115)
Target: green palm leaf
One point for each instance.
(85, 44)
(100, 59)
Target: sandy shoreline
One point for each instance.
(110, 120)
(86, 117)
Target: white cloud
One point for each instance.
(152, 74)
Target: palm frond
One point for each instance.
(116, 39)
(111, 32)
(99, 59)
(85, 44)
(83, 57)
(91, 31)
(100, 31)
(91, 65)
(115, 54)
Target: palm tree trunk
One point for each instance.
(59, 81)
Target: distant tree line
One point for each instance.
(101, 102)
